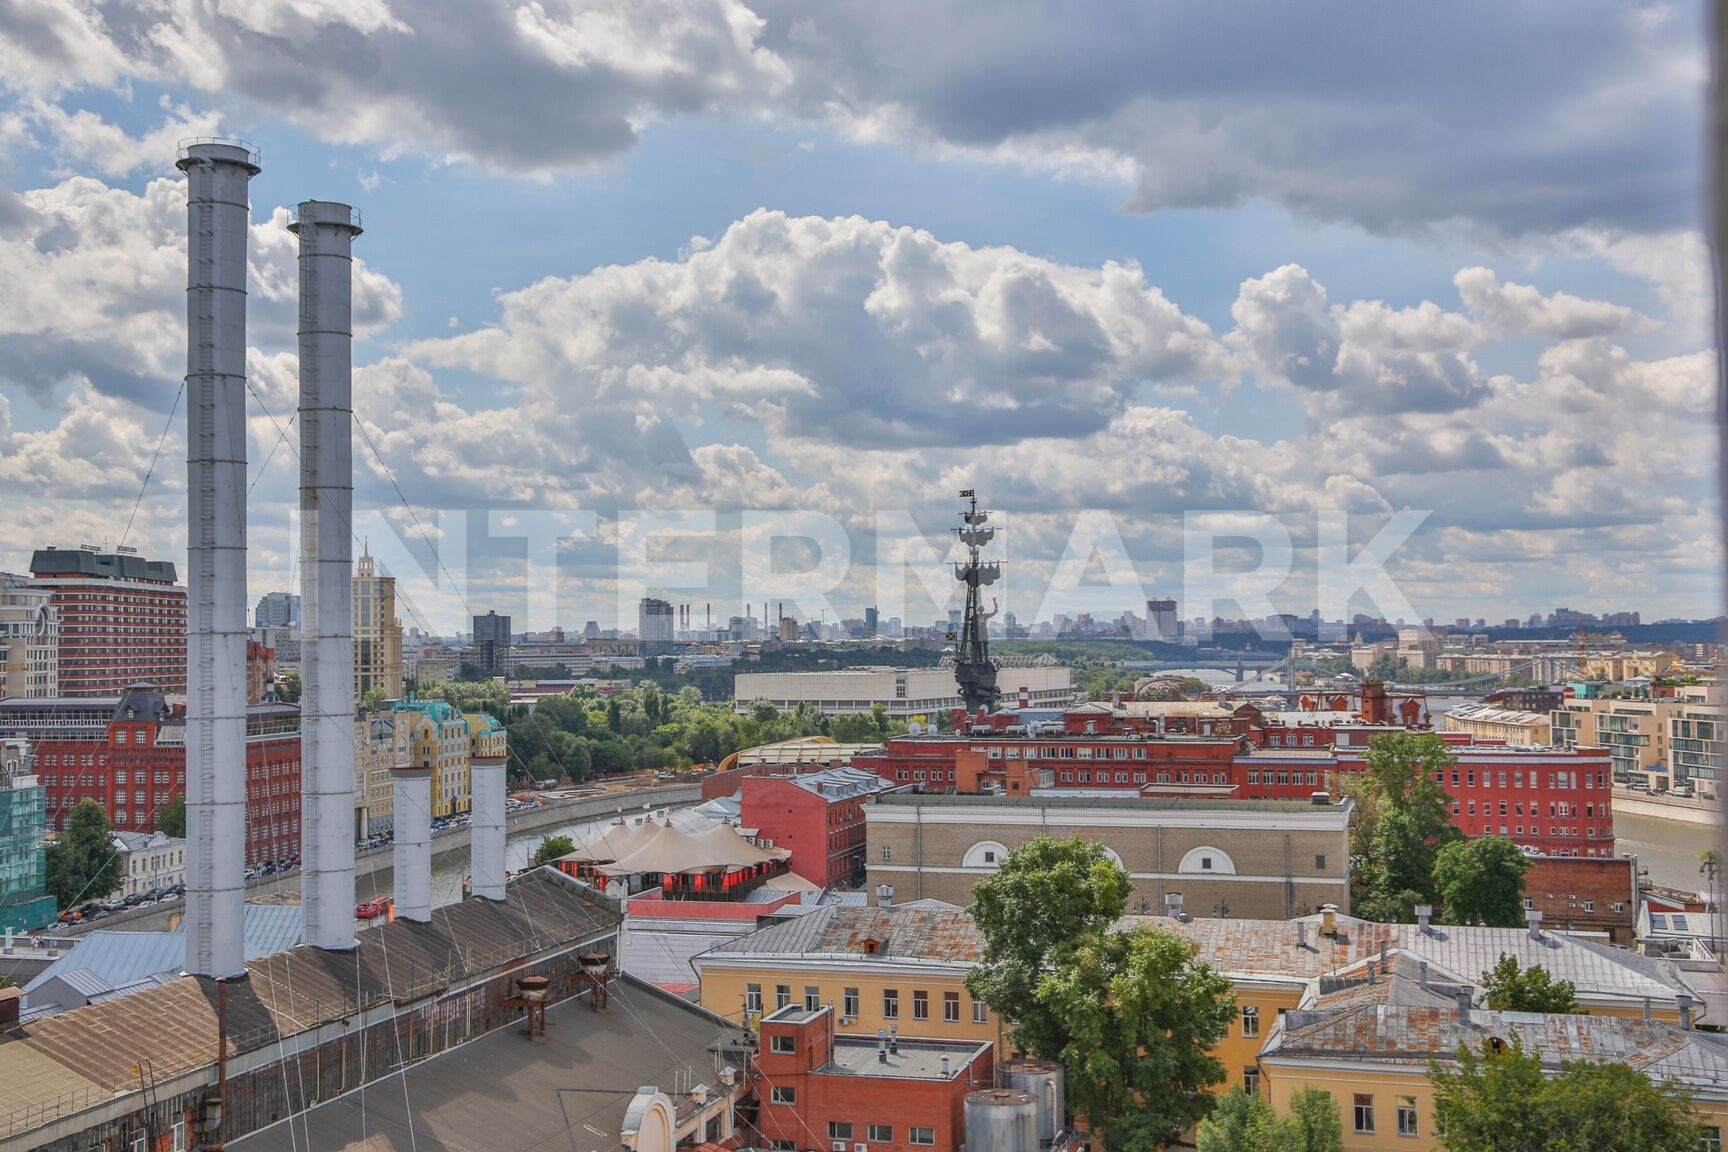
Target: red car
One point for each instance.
(373, 908)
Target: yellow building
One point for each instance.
(380, 744)
(902, 968)
(1490, 722)
(1626, 665)
(377, 632)
(438, 738)
(1368, 1042)
(486, 737)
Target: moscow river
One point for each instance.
(1668, 849)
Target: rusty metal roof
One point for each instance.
(1400, 1034)
(172, 1028)
(943, 935)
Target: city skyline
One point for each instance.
(1095, 305)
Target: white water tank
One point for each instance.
(1043, 1081)
(1001, 1120)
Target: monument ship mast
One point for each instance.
(974, 671)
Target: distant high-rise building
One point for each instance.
(788, 629)
(872, 622)
(591, 630)
(1161, 621)
(29, 639)
(492, 643)
(654, 626)
(122, 620)
(277, 610)
(377, 631)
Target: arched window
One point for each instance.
(1207, 861)
(985, 854)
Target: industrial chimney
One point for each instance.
(412, 854)
(486, 837)
(217, 216)
(326, 233)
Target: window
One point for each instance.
(980, 1012)
(1710, 1139)
(1407, 1116)
(920, 1005)
(812, 997)
(1364, 1113)
(839, 1129)
(178, 1133)
(951, 1007)
(790, 1095)
(782, 1043)
(850, 1003)
(1250, 1020)
(880, 1133)
(1251, 1080)
(1320, 862)
(782, 995)
(891, 1003)
(921, 1136)
(887, 852)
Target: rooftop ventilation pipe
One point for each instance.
(1534, 917)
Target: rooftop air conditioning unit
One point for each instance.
(839, 1146)
(860, 1148)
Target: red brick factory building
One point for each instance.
(1550, 800)
(128, 753)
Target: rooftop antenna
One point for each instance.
(974, 671)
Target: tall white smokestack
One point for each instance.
(326, 234)
(486, 840)
(412, 855)
(217, 216)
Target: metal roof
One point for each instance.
(1461, 953)
(110, 958)
(942, 935)
(1397, 1034)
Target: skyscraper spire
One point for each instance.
(974, 671)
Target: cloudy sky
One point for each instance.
(1109, 263)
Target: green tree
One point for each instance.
(1313, 1124)
(1132, 1015)
(1142, 1015)
(373, 700)
(614, 715)
(1500, 1101)
(1511, 988)
(288, 688)
(1046, 897)
(1239, 1123)
(171, 821)
(1481, 881)
(1243, 1123)
(1403, 821)
(82, 864)
(551, 848)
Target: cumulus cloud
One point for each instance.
(93, 282)
(1561, 316)
(1356, 357)
(847, 327)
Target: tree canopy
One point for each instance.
(1241, 1122)
(1500, 1101)
(171, 821)
(1508, 987)
(1481, 881)
(1401, 822)
(82, 864)
(1132, 1015)
(551, 848)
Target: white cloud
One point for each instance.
(850, 327)
(1561, 316)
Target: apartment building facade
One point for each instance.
(122, 620)
(377, 632)
(29, 639)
